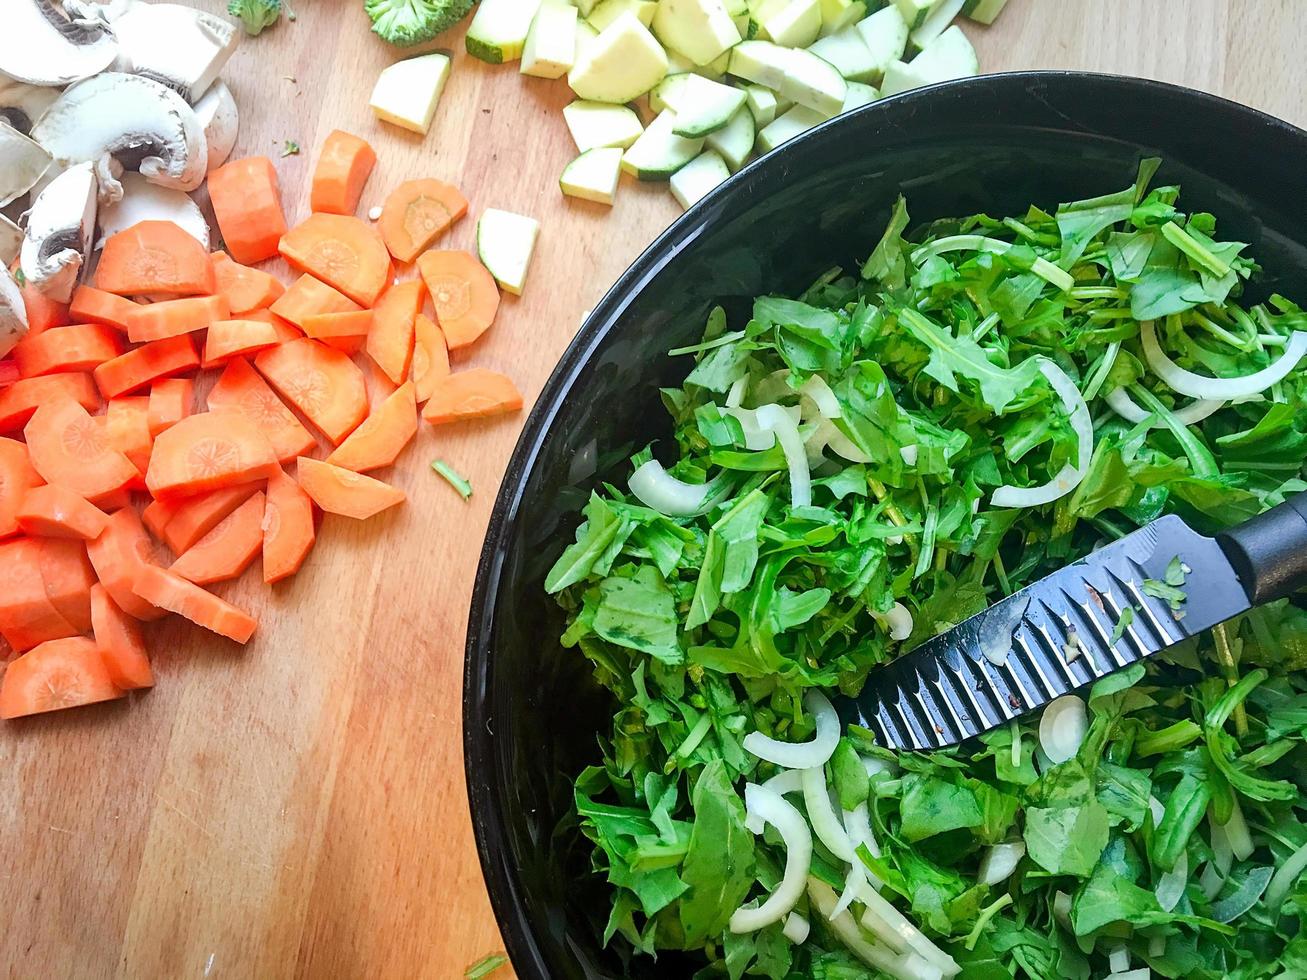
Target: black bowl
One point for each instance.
(995, 143)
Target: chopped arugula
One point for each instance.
(915, 385)
(486, 966)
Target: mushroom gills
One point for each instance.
(21, 104)
(182, 48)
(143, 201)
(221, 121)
(22, 163)
(59, 230)
(13, 314)
(46, 42)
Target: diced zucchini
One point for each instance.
(668, 87)
(914, 11)
(499, 28)
(600, 124)
(593, 175)
(584, 35)
(791, 23)
(761, 62)
(701, 30)
(586, 7)
(836, 15)
(983, 11)
(692, 182)
(734, 141)
(505, 242)
(739, 13)
(551, 42)
(621, 64)
(815, 83)
(659, 152)
(885, 33)
(859, 95)
(679, 64)
(607, 10)
(717, 68)
(936, 21)
(848, 53)
(948, 56)
(407, 92)
(702, 106)
(798, 120)
(761, 103)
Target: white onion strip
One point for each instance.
(801, 755)
(1119, 400)
(1000, 862)
(846, 929)
(1284, 878)
(789, 822)
(658, 490)
(1171, 885)
(825, 824)
(1070, 476)
(894, 928)
(1046, 270)
(1198, 386)
(784, 783)
(1236, 832)
(778, 420)
(1063, 727)
(796, 929)
(820, 392)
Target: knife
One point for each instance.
(1067, 630)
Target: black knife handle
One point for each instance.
(1269, 552)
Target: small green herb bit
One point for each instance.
(486, 966)
(456, 481)
(290, 149)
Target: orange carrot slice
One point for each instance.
(117, 555)
(67, 575)
(19, 400)
(390, 343)
(341, 491)
(463, 292)
(288, 533)
(69, 447)
(149, 362)
(174, 317)
(243, 288)
(416, 213)
(27, 614)
(430, 357)
(56, 512)
(154, 257)
(232, 338)
(127, 429)
(381, 437)
(181, 523)
(307, 296)
(175, 594)
(283, 328)
(61, 349)
(344, 331)
(247, 204)
(171, 400)
(321, 382)
(57, 674)
(118, 638)
(344, 164)
(342, 251)
(240, 389)
(229, 547)
(206, 452)
(17, 479)
(91, 305)
(43, 312)
(471, 394)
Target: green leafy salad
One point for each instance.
(861, 467)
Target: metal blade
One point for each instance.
(947, 690)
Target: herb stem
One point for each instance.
(891, 510)
(1230, 669)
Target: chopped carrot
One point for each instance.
(416, 213)
(61, 349)
(17, 479)
(288, 533)
(154, 257)
(344, 165)
(229, 547)
(120, 551)
(390, 343)
(379, 386)
(91, 305)
(206, 452)
(233, 338)
(149, 362)
(245, 289)
(67, 575)
(58, 674)
(181, 523)
(69, 447)
(342, 251)
(430, 357)
(247, 204)
(283, 328)
(471, 394)
(127, 429)
(171, 400)
(27, 614)
(323, 384)
(175, 594)
(56, 512)
(8, 372)
(172, 318)
(43, 312)
(118, 638)
(378, 440)
(344, 331)
(463, 292)
(19, 400)
(307, 296)
(340, 491)
(240, 389)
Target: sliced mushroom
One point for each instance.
(143, 125)
(110, 10)
(45, 42)
(186, 49)
(221, 122)
(22, 162)
(143, 201)
(22, 104)
(59, 229)
(13, 314)
(11, 240)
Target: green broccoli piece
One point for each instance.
(408, 22)
(255, 14)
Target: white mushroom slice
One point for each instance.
(21, 104)
(59, 230)
(144, 125)
(217, 114)
(13, 314)
(184, 48)
(45, 42)
(143, 201)
(11, 241)
(110, 10)
(22, 162)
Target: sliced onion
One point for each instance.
(658, 490)
(1118, 959)
(1000, 861)
(1285, 876)
(894, 928)
(801, 755)
(1170, 887)
(1143, 973)
(782, 784)
(909, 455)
(1198, 386)
(820, 392)
(846, 930)
(1062, 910)
(857, 824)
(855, 879)
(1236, 832)
(756, 438)
(841, 445)
(1157, 945)
(796, 929)
(779, 421)
(1119, 400)
(735, 396)
(825, 824)
(898, 621)
(1222, 853)
(1211, 880)
(1070, 476)
(999, 627)
(789, 822)
(875, 766)
(1046, 270)
(1062, 728)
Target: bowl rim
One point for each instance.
(479, 757)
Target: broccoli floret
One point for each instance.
(255, 14)
(408, 22)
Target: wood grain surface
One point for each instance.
(297, 808)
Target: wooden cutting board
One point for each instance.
(296, 808)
